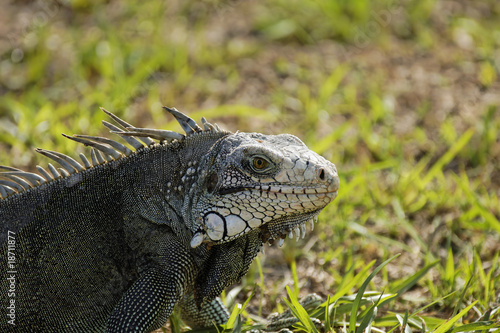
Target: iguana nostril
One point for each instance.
(322, 174)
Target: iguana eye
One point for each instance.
(260, 163)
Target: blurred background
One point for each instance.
(403, 96)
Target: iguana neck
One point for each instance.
(161, 183)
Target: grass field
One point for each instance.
(403, 96)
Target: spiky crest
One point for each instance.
(104, 150)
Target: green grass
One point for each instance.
(401, 96)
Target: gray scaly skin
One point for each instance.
(114, 243)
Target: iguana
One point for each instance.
(114, 243)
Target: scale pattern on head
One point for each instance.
(271, 182)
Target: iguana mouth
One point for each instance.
(280, 189)
(231, 190)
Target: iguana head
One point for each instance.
(271, 182)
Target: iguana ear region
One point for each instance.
(211, 182)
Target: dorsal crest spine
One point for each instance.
(14, 181)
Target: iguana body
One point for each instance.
(115, 244)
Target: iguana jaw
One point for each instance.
(277, 210)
